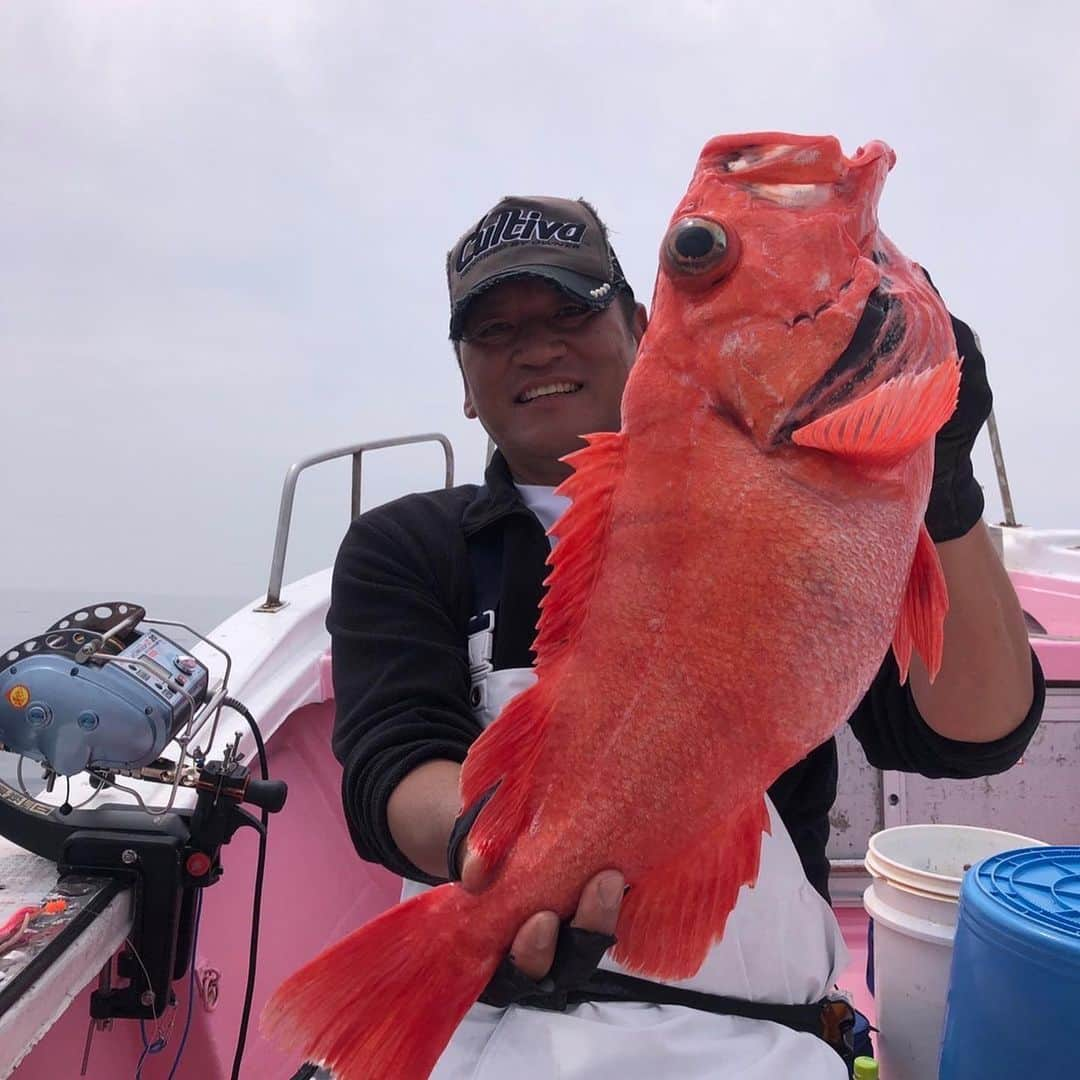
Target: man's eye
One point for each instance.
(489, 333)
(572, 314)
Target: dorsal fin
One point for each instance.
(892, 421)
(506, 752)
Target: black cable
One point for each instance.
(256, 903)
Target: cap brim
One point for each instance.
(586, 289)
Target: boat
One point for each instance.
(275, 654)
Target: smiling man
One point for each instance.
(545, 331)
(433, 612)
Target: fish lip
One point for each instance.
(848, 370)
(536, 384)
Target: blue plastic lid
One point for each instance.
(1030, 896)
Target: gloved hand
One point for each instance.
(577, 953)
(547, 960)
(956, 499)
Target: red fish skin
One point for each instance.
(740, 592)
(670, 716)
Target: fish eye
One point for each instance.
(698, 245)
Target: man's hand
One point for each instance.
(422, 815)
(956, 499)
(533, 949)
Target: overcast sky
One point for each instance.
(223, 224)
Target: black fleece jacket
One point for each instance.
(400, 605)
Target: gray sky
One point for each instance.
(223, 226)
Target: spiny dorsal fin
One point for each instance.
(507, 751)
(890, 422)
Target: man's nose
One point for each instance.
(538, 344)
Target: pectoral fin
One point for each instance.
(921, 627)
(892, 421)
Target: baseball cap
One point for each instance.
(561, 240)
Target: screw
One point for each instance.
(147, 997)
(127, 856)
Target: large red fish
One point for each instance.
(735, 563)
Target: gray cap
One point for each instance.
(558, 239)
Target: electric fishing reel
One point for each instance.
(103, 692)
(93, 665)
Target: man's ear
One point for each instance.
(468, 407)
(641, 321)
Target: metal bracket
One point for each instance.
(152, 863)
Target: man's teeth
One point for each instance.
(553, 388)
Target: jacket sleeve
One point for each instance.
(894, 735)
(397, 622)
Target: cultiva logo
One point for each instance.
(516, 224)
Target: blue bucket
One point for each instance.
(1014, 988)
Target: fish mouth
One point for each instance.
(809, 316)
(854, 366)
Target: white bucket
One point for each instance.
(913, 899)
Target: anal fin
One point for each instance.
(921, 626)
(671, 916)
(892, 421)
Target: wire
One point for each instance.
(191, 985)
(256, 903)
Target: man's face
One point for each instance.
(541, 369)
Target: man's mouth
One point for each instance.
(547, 390)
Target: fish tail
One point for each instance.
(382, 1003)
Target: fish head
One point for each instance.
(782, 296)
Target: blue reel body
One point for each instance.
(97, 692)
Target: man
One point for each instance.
(432, 616)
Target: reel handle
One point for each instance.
(268, 795)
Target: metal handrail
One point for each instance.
(288, 493)
(999, 467)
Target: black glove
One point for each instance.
(577, 952)
(956, 500)
(460, 830)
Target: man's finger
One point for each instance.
(474, 878)
(598, 908)
(533, 948)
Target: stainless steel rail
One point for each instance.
(273, 602)
(999, 466)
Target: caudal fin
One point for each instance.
(383, 1002)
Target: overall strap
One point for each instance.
(485, 549)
